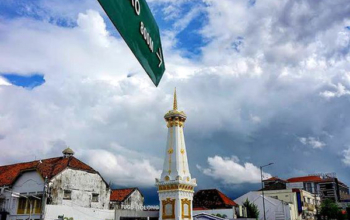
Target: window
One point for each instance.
(37, 206)
(94, 197)
(67, 194)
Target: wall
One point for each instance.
(82, 184)
(274, 209)
(77, 213)
(287, 196)
(134, 200)
(134, 213)
(230, 213)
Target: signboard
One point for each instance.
(137, 26)
(298, 185)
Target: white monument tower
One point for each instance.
(175, 187)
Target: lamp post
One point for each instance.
(262, 186)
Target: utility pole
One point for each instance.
(262, 187)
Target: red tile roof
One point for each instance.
(304, 179)
(212, 199)
(199, 208)
(47, 168)
(119, 195)
(227, 200)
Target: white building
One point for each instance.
(129, 198)
(175, 186)
(275, 209)
(27, 187)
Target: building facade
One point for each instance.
(26, 188)
(130, 199)
(175, 186)
(275, 209)
(324, 186)
(304, 204)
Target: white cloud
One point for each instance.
(4, 82)
(229, 171)
(340, 90)
(346, 159)
(313, 142)
(255, 119)
(122, 170)
(89, 102)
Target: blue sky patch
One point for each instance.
(28, 82)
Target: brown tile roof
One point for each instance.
(274, 179)
(304, 179)
(119, 195)
(212, 199)
(47, 168)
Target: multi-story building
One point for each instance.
(307, 183)
(325, 186)
(27, 187)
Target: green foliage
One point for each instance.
(331, 210)
(252, 209)
(221, 216)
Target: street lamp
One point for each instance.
(262, 187)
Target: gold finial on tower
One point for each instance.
(174, 114)
(175, 100)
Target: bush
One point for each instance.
(252, 209)
(331, 210)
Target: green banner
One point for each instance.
(136, 24)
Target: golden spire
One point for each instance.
(175, 100)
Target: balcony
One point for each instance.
(310, 207)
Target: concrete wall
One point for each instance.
(287, 196)
(31, 182)
(135, 200)
(275, 209)
(230, 213)
(52, 212)
(82, 185)
(135, 213)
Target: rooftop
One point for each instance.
(119, 195)
(212, 199)
(304, 179)
(46, 168)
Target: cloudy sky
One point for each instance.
(260, 80)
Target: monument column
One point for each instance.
(175, 186)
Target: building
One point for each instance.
(307, 183)
(274, 183)
(26, 188)
(130, 198)
(175, 186)
(331, 188)
(303, 203)
(274, 209)
(326, 186)
(212, 201)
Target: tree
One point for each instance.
(331, 210)
(252, 209)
